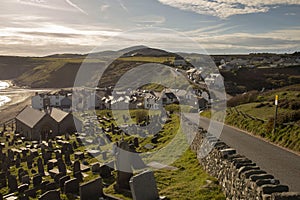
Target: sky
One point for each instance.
(44, 27)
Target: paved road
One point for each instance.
(281, 163)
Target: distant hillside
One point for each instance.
(60, 70)
(246, 79)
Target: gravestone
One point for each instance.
(12, 183)
(26, 179)
(62, 181)
(50, 195)
(37, 180)
(136, 142)
(143, 186)
(22, 188)
(91, 190)
(68, 158)
(71, 186)
(40, 166)
(76, 167)
(62, 166)
(123, 164)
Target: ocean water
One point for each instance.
(3, 98)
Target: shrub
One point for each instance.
(295, 105)
(243, 98)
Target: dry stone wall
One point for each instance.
(240, 178)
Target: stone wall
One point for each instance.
(239, 177)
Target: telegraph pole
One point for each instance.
(276, 111)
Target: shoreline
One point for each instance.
(18, 100)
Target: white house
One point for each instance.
(39, 101)
(214, 80)
(151, 102)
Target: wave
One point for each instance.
(3, 85)
(4, 99)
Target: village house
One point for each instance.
(35, 124)
(214, 80)
(168, 98)
(151, 102)
(58, 100)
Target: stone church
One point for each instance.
(45, 124)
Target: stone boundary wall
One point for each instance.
(240, 178)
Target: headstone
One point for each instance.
(22, 188)
(50, 195)
(92, 190)
(51, 186)
(40, 166)
(79, 155)
(67, 158)
(37, 180)
(136, 142)
(124, 168)
(61, 166)
(71, 186)
(95, 167)
(12, 183)
(62, 181)
(76, 167)
(26, 179)
(143, 186)
(31, 193)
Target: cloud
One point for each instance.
(104, 8)
(75, 6)
(227, 8)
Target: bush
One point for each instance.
(295, 105)
(242, 99)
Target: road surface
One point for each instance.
(282, 164)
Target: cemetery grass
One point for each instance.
(189, 181)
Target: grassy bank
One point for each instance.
(254, 112)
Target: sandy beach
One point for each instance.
(20, 98)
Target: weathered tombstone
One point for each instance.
(95, 167)
(50, 186)
(75, 145)
(12, 183)
(67, 158)
(22, 188)
(62, 166)
(105, 171)
(62, 181)
(136, 142)
(76, 167)
(31, 193)
(40, 165)
(79, 155)
(71, 186)
(123, 164)
(26, 179)
(50, 195)
(57, 177)
(143, 186)
(91, 190)
(37, 180)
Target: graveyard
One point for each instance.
(84, 165)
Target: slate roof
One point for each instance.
(30, 116)
(58, 115)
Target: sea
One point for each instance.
(3, 98)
